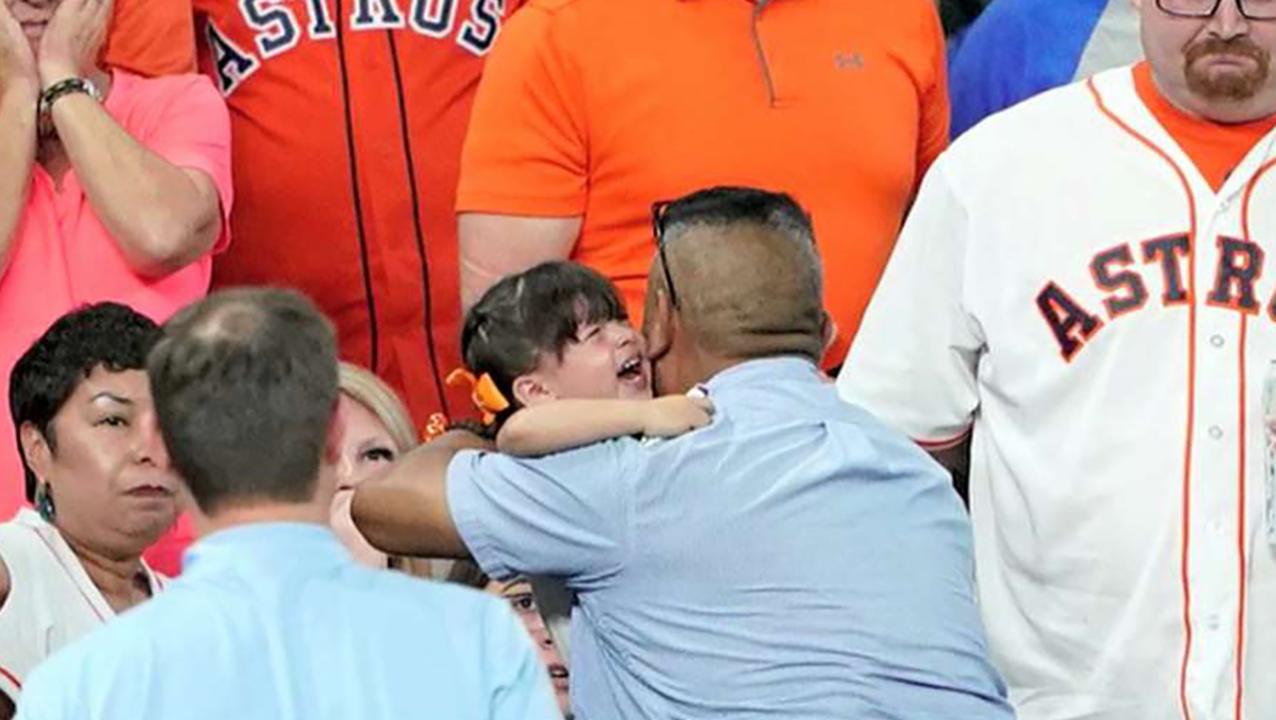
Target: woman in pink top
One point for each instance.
(112, 186)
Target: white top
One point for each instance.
(1043, 293)
(51, 602)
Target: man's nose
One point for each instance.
(1228, 22)
(151, 449)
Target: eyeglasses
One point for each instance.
(1250, 9)
(658, 209)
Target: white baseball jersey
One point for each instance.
(52, 602)
(1071, 287)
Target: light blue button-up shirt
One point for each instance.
(277, 622)
(794, 559)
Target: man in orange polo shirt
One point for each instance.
(622, 103)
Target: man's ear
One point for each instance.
(658, 324)
(828, 332)
(336, 430)
(531, 389)
(36, 450)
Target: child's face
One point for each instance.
(606, 360)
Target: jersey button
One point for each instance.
(1216, 341)
(1216, 432)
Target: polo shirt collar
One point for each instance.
(269, 546)
(762, 370)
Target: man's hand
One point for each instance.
(17, 62)
(73, 39)
(674, 415)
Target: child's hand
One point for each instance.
(674, 415)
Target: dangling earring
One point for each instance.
(44, 503)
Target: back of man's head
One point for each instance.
(746, 275)
(245, 387)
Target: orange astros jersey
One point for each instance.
(348, 118)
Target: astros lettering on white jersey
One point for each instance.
(52, 602)
(1071, 287)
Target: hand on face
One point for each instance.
(72, 39)
(17, 60)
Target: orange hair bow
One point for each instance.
(483, 391)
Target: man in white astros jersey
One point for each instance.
(1087, 283)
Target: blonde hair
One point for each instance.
(369, 391)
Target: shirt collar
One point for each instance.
(280, 545)
(764, 370)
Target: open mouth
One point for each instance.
(631, 369)
(559, 677)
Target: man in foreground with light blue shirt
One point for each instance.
(794, 559)
(272, 619)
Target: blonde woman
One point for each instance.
(378, 430)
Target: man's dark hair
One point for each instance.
(106, 335)
(245, 385)
(723, 207)
(752, 286)
(531, 313)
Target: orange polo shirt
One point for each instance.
(1215, 148)
(597, 108)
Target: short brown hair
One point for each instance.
(245, 386)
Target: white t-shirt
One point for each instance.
(52, 602)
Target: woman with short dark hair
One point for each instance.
(100, 483)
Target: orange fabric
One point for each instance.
(151, 37)
(620, 103)
(1214, 148)
(339, 110)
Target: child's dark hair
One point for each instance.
(533, 312)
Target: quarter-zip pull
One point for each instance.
(758, 6)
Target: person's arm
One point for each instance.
(405, 511)
(7, 707)
(163, 216)
(5, 583)
(915, 360)
(493, 246)
(19, 92)
(565, 424)
(936, 114)
(524, 179)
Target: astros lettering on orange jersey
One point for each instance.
(279, 28)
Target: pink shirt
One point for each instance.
(63, 257)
